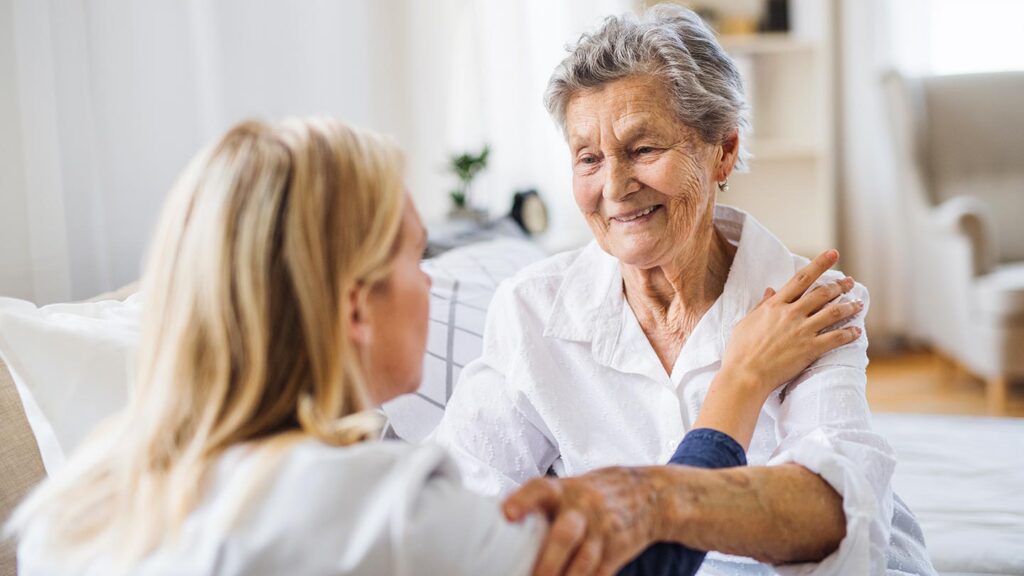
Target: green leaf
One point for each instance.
(467, 165)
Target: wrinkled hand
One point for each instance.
(786, 332)
(599, 521)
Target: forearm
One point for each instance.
(732, 406)
(701, 448)
(779, 514)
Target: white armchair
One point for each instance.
(960, 147)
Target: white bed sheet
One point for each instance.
(964, 479)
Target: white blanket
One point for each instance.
(964, 479)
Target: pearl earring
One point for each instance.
(723, 186)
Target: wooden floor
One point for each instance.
(924, 382)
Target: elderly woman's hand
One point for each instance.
(600, 520)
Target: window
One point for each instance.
(959, 36)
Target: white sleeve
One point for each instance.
(489, 426)
(451, 530)
(824, 424)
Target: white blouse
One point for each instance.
(568, 379)
(372, 509)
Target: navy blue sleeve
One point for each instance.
(701, 448)
(707, 448)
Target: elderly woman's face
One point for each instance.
(642, 179)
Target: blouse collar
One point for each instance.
(590, 306)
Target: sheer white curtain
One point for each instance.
(34, 257)
(103, 102)
(871, 215)
(954, 37)
(112, 97)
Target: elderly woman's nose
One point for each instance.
(619, 181)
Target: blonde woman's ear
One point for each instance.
(359, 325)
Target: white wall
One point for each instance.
(479, 70)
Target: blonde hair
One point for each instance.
(245, 329)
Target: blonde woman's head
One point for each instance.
(269, 254)
(283, 297)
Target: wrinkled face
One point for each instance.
(398, 313)
(642, 179)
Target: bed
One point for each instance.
(964, 479)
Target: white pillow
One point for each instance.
(71, 364)
(464, 283)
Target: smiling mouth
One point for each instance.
(636, 215)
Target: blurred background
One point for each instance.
(891, 130)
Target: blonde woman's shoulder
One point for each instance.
(302, 508)
(368, 458)
(316, 483)
(377, 508)
(373, 508)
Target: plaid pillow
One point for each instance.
(464, 282)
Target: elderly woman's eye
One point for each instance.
(588, 160)
(644, 150)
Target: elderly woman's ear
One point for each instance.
(730, 153)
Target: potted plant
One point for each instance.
(466, 167)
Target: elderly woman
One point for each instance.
(608, 355)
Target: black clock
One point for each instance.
(530, 212)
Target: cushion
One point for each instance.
(999, 295)
(21, 467)
(464, 282)
(70, 360)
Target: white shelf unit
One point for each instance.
(791, 184)
(766, 43)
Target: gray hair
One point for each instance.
(672, 44)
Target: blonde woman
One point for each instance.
(284, 299)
